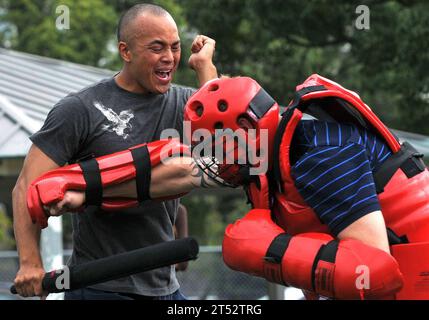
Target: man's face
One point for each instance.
(155, 52)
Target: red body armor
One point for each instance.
(403, 183)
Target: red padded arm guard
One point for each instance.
(113, 169)
(340, 269)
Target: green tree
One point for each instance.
(92, 24)
(29, 26)
(280, 43)
(393, 62)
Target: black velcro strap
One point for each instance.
(261, 103)
(143, 166)
(287, 115)
(414, 165)
(300, 93)
(407, 158)
(278, 248)
(328, 253)
(394, 239)
(94, 189)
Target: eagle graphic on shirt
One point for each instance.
(120, 124)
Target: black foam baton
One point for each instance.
(121, 265)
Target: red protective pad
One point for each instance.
(333, 89)
(114, 169)
(413, 259)
(259, 193)
(246, 243)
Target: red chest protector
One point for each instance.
(402, 182)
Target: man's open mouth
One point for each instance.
(163, 75)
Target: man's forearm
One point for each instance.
(27, 234)
(201, 60)
(206, 73)
(177, 176)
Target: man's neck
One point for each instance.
(124, 81)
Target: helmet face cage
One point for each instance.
(210, 166)
(229, 171)
(226, 175)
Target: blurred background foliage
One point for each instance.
(278, 42)
(6, 237)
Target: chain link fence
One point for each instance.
(209, 278)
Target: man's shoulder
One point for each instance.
(181, 89)
(78, 98)
(94, 88)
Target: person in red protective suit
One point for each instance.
(346, 164)
(338, 190)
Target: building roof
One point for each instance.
(16, 127)
(30, 85)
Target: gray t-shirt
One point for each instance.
(103, 119)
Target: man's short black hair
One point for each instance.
(129, 15)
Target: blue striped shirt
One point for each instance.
(333, 167)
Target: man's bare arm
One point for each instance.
(173, 177)
(370, 229)
(201, 59)
(27, 234)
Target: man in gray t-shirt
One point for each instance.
(104, 119)
(132, 108)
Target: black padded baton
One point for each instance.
(122, 265)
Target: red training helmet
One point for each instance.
(235, 107)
